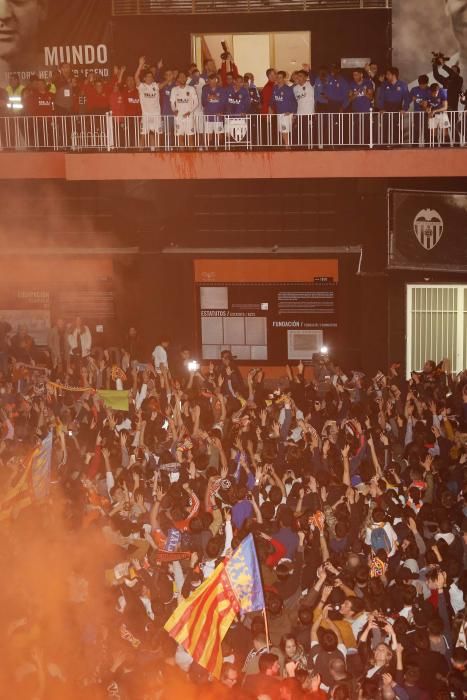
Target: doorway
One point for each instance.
(255, 53)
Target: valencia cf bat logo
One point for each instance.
(428, 228)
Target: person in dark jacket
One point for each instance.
(452, 82)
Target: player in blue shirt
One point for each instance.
(238, 105)
(238, 98)
(321, 98)
(393, 95)
(255, 98)
(438, 120)
(337, 90)
(419, 96)
(333, 97)
(285, 105)
(392, 100)
(214, 106)
(361, 93)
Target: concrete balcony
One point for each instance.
(105, 147)
(402, 163)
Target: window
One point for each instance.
(436, 325)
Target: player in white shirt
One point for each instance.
(198, 83)
(149, 96)
(184, 102)
(159, 356)
(305, 95)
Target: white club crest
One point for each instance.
(238, 128)
(428, 227)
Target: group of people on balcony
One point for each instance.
(178, 107)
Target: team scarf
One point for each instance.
(317, 519)
(377, 567)
(67, 387)
(117, 373)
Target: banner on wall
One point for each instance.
(29, 308)
(418, 28)
(38, 35)
(427, 230)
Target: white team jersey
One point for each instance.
(305, 96)
(199, 92)
(183, 99)
(149, 98)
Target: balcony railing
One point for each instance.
(184, 7)
(107, 132)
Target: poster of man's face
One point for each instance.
(20, 21)
(457, 12)
(423, 26)
(37, 35)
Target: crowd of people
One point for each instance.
(353, 486)
(178, 107)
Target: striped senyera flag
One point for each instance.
(200, 623)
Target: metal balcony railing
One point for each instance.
(254, 132)
(184, 7)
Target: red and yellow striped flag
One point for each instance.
(200, 623)
(17, 496)
(32, 485)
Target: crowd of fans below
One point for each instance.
(353, 486)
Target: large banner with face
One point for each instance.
(427, 230)
(422, 26)
(37, 35)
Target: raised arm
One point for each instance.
(324, 547)
(374, 457)
(154, 514)
(315, 627)
(141, 64)
(345, 458)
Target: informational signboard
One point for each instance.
(29, 308)
(35, 292)
(427, 230)
(265, 310)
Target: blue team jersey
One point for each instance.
(436, 101)
(255, 99)
(320, 91)
(237, 102)
(283, 99)
(337, 90)
(166, 109)
(419, 95)
(393, 97)
(361, 102)
(214, 100)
